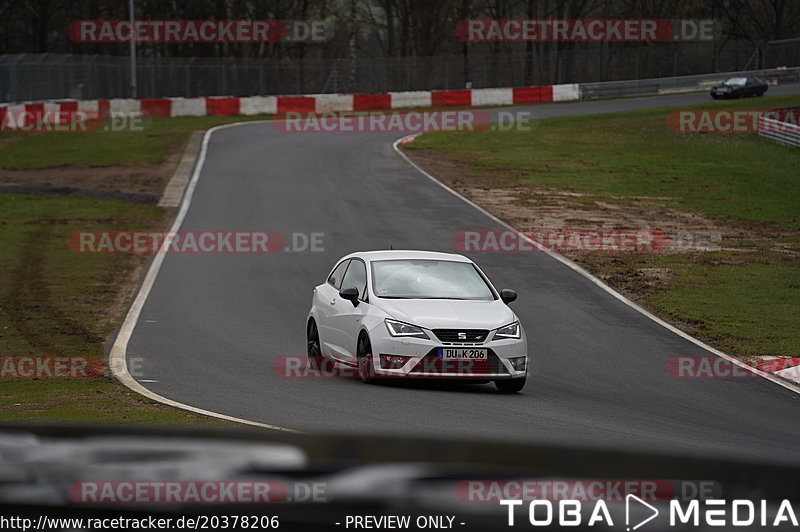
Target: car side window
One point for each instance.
(356, 276)
(335, 280)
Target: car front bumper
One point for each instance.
(423, 360)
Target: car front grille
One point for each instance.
(461, 336)
(432, 365)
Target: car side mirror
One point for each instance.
(350, 294)
(508, 295)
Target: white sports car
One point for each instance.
(419, 314)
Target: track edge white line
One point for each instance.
(570, 264)
(118, 354)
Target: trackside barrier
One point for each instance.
(15, 116)
(676, 85)
(778, 131)
(483, 97)
(566, 93)
(334, 102)
(188, 107)
(399, 100)
(256, 105)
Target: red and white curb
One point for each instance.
(785, 367)
(23, 115)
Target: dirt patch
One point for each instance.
(530, 207)
(131, 181)
(527, 206)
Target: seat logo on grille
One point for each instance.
(462, 336)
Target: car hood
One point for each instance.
(448, 313)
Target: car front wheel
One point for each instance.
(510, 385)
(315, 358)
(366, 367)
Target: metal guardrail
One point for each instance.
(37, 76)
(781, 132)
(702, 82)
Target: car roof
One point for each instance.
(407, 254)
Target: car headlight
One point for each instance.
(398, 328)
(508, 331)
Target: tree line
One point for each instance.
(369, 28)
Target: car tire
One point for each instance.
(315, 358)
(510, 385)
(366, 366)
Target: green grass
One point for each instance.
(733, 176)
(99, 400)
(105, 148)
(748, 309)
(53, 298)
(55, 303)
(745, 302)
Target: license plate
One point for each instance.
(446, 353)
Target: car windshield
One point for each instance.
(429, 279)
(735, 81)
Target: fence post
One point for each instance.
(189, 77)
(221, 64)
(675, 63)
(558, 64)
(86, 90)
(14, 90)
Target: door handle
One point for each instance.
(333, 301)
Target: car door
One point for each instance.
(749, 87)
(760, 87)
(345, 320)
(326, 297)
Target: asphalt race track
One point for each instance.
(214, 323)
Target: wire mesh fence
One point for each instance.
(25, 77)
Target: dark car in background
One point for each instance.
(739, 88)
